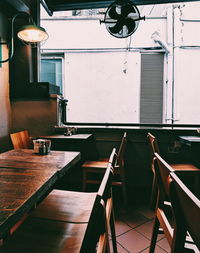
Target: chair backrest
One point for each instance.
(113, 157)
(121, 151)
(105, 186)
(184, 205)
(20, 139)
(186, 208)
(97, 222)
(162, 172)
(153, 144)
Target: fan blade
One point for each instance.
(130, 24)
(113, 13)
(126, 10)
(117, 27)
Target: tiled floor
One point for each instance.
(134, 228)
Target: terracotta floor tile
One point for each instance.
(134, 228)
(121, 227)
(120, 249)
(164, 244)
(146, 211)
(146, 230)
(133, 241)
(157, 250)
(131, 217)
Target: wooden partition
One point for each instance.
(137, 155)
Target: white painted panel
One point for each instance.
(101, 87)
(187, 92)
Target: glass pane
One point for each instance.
(51, 71)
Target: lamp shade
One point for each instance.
(32, 34)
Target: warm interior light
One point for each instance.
(32, 34)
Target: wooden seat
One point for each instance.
(41, 235)
(186, 207)
(181, 168)
(165, 221)
(20, 139)
(92, 168)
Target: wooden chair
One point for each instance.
(43, 235)
(20, 139)
(71, 206)
(181, 168)
(165, 221)
(186, 207)
(92, 168)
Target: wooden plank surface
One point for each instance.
(20, 189)
(25, 178)
(26, 158)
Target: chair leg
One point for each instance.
(154, 235)
(154, 193)
(113, 234)
(179, 241)
(197, 185)
(124, 192)
(107, 248)
(84, 180)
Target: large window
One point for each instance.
(151, 77)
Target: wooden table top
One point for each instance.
(70, 137)
(25, 178)
(26, 158)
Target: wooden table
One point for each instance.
(83, 143)
(25, 178)
(190, 140)
(192, 143)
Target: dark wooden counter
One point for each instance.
(192, 144)
(25, 178)
(83, 143)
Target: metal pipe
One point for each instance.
(173, 66)
(63, 105)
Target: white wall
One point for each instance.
(78, 34)
(187, 81)
(187, 62)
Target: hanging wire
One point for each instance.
(127, 50)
